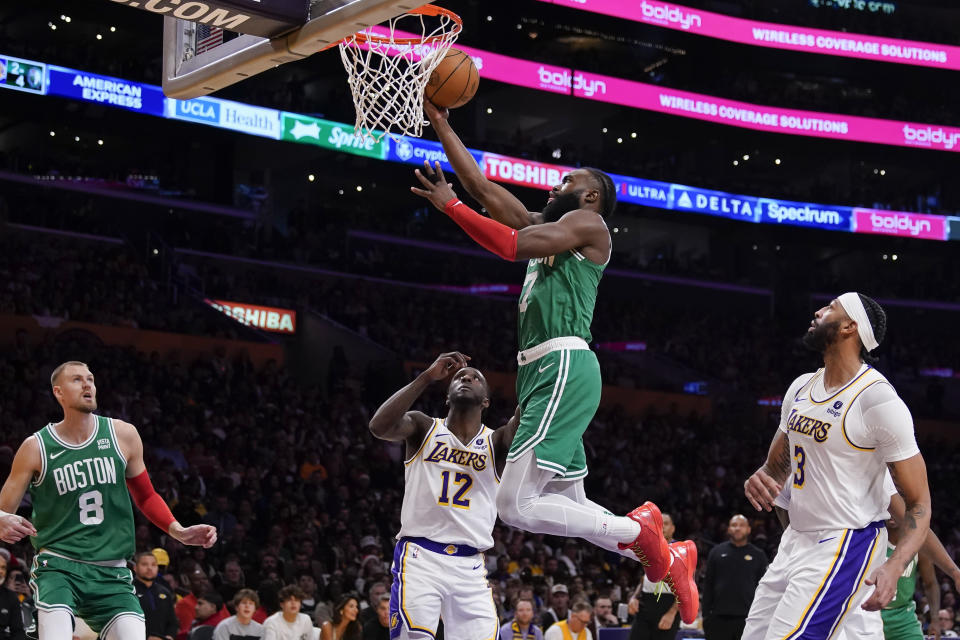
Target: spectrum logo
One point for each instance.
(669, 15)
(929, 137)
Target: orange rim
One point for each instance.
(425, 10)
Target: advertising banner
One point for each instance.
(526, 173)
(805, 214)
(114, 92)
(773, 35)
(409, 150)
(648, 193)
(714, 203)
(900, 223)
(329, 135)
(267, 318)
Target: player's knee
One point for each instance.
(508, 508)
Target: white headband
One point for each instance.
(853, 305)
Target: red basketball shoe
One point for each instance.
(680, 579)
(650, 546)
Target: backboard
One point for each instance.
(199, 59)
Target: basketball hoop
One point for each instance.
(388, 71)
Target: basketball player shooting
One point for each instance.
(567, 247)
(841, 428)
(82, 522)
(453, 468)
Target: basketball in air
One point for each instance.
(454, 82)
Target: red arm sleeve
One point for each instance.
(149, 501)
(493, 236)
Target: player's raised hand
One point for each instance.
(885, 578)
(199, 535)
(436, 189)
(445, 364)
(435, 113)
(14, 528)
(761, 490)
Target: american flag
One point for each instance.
(208, 37)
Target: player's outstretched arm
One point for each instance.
(574, 230)
(932, 546)
(502, 205)
(503, 438)
(26, 463)
(146, 497)
(931, 588)
(910, 478)
(394, 421)
(764, 485)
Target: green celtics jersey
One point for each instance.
(81, 506)
(906, 585)
(558, 297)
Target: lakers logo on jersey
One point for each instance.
(442, 453)
(816, 429)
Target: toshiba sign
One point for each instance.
(266, 318)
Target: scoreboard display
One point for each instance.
(22, 75)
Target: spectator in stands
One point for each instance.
(11, 619)
(379, 627)
(186, 607)
(17, 584)
(231, 580)
(210, 613)
(559, 603)
(947, 623)
(371, 611)
(309, 587)
(521, 627)
(344, 625)
(221, 517)
(734, 569)
(289, 623)
(574, 627)
(242, 625)
(603, 615)
(155, 598)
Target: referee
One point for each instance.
(733, 570)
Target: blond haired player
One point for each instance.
(81, 473)
(841, 428)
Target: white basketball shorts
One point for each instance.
(432, 581)
(813, 589)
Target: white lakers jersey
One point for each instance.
(840, 444)
(451, 489)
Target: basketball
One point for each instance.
(454, 82)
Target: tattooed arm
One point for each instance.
(910, 478)
(764, 485)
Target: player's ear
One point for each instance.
(485, 403)
(591, 195)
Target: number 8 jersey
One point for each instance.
(80, 498)
(840, 445)
(451, 489)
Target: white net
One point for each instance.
(388, 69)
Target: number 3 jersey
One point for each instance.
(81, 505)
(840, 445)
(451, 489)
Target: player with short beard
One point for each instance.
(841, 428)
(81, 473)
(567, 246)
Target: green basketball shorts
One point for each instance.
(559, 393)
(901, 624)
(93, 592)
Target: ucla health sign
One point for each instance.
(226, 114)
(114, 92)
